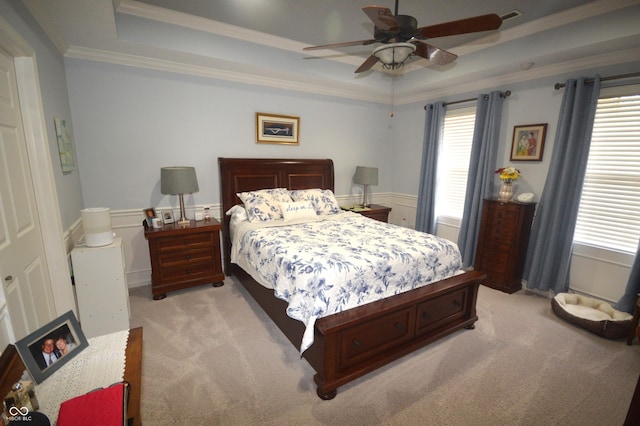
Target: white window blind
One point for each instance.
(609, 213)
(453, 162)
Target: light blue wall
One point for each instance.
(130, 122)
(55, 100)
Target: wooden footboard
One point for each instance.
(352, 343)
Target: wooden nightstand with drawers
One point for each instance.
(375, 211)
(184, 256)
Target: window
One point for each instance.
(453, 164)
(609, 212)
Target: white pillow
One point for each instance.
(323, 200)
(298, 210)
(264, 205)
(238, 213)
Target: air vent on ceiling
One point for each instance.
(510, 15)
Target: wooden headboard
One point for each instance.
(250, 174)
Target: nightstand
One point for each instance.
(375, 211)
(184, 256)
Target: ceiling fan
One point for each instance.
(401, 37)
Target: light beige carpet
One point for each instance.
(212, 357)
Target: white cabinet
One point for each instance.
(101, 288)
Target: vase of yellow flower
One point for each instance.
(507, 175)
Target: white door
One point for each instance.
(24, 273)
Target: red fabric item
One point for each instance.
(105, 407)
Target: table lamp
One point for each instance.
(366, 176)
(179, 181)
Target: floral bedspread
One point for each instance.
(327, 266)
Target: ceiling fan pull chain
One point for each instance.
(393, 95)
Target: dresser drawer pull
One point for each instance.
(357, 343)
(189, 271)
(188, 257)
(399, 326)
(187, 242)
(457, 303)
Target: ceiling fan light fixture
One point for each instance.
(394, 55)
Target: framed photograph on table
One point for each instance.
(167, 216)
(149, 215)
(528, 142)
(278, 129)
(48, 348)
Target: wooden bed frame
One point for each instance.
(349, 344)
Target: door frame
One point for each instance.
(42, 176)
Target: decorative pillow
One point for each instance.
(264, 205)
(281, 195)
(323, 200)
(238, 213)
(298, 210)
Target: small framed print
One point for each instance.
(50, 347)
(149, 215)
(65, 145)
(278, 129)
(528, 142)
(167, 216)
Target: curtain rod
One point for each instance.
(504, 94)
(559, 86)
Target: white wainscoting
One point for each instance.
(598, 273)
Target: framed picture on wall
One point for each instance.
(65, 145)
(528, 142)
(278, 129)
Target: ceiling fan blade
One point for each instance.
(463, 26)
(366, 65)
(344, 44)
(434, 54)
(381, 17)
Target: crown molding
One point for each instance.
(122, 53)
(328, 89)
(317, 87)
(146, 11)
(454, 88)
(155, 13)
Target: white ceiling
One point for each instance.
(260, 41)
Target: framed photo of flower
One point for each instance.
(528, 142)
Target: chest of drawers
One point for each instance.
(502, 243)
(184, 256)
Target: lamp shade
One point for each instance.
(178, 180)
(394, 54)
(366, 175)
